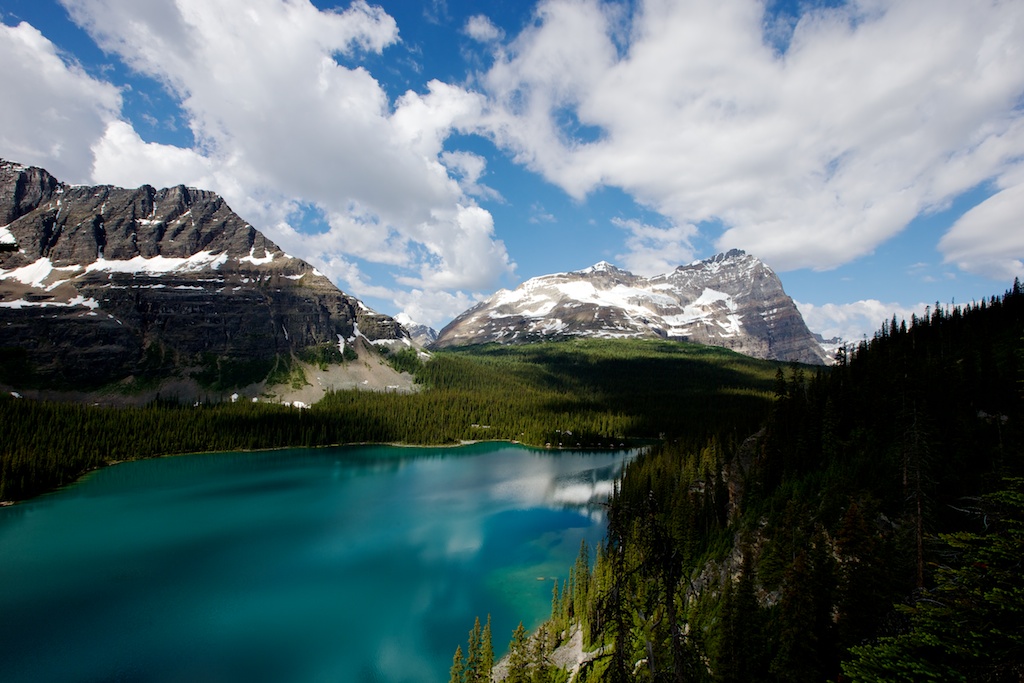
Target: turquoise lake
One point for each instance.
(346, 564)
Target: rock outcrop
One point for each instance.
(100, 285)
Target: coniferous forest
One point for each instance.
(871, 530)
(593, 394)
(863, 522)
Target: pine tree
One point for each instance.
(473, 656)
(581, 587)
(486, 653)
(518, 657)
(796, 658)
(741, 651)
(966, 628)
(458, 669)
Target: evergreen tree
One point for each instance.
(968, 627)
(473, 657)
(741, 657)
(486, 653)
(863, 596)
(581, 584)
(540, 672)
(458, 670)
(519, 657)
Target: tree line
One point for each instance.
(871, 529)
(567, 394)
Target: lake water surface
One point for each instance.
(346, 565)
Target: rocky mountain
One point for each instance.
(421, 334)
(731, 300)
(104, 285)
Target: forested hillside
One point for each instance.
(562, 394)
(872, 530)
(864, 521)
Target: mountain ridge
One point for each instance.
(732, 300)
(102, 285)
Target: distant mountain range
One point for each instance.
(106, 287)
(103, 285)
(731, 300)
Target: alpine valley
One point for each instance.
(779, 523)
(731, 300)
(142, 290)
(136, 292)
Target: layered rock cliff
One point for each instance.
(100, 285)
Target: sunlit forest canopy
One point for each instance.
(580, 393)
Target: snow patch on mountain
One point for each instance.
(730, 300)
(160, 265)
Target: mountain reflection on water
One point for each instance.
(346, 564)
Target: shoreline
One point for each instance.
(512, 442)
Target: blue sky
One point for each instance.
(425, 154)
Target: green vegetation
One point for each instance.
(286, 371)
(218, 373)
(593, 394)
(872, 529)
(404, 360)
(476, 665)
(326, 354)
(790, 524)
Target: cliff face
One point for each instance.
(731, 300)
(100, 284)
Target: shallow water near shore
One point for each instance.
(345, 564)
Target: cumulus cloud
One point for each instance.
(653, 250)
(60, 109)
(855, 321)
(121, 157)
(286, 121)
(480, 28)
(436, 305)
(810, 147)
(807, 140)
(989, 239)
(467, 169)
(462, 248)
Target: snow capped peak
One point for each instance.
(14, 166)
(599, 267)
(726, 300)
(420, 333)
(731, 255)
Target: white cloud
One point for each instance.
(855, 321)
(653, 250)
(284, 126)
(121, 158)
(53, 110)
(435, 307)
(551, 68)
(467, 169)
(989, 239)
(807, 144)
(481, 29)
(875, 113)
(463, 251)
